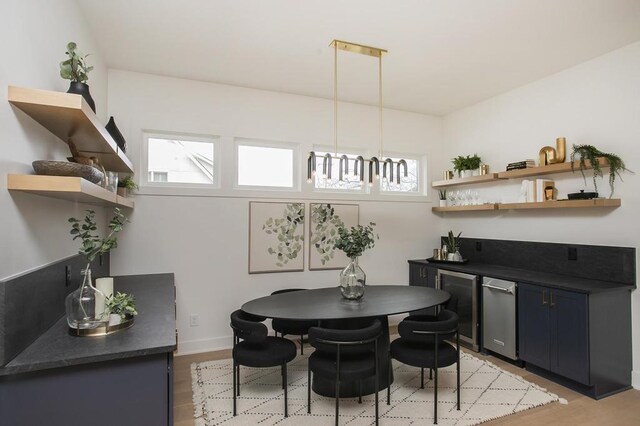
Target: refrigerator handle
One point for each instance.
(493, 287)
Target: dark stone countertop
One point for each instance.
(564, 282)
(154, 331)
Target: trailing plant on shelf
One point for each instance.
(75, 67)
(122, 304)
(592, 154)
(353, 242)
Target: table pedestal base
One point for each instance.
(325, 387)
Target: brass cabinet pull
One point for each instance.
(551, 304)
(544, 297)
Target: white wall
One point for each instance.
(33, 36)
(597, 103)
(204, 239)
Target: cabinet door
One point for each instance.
(533, 324)
(418, 274)
(431, 276)
(569, 335)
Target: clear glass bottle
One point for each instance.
(80, 304)
(352, 281)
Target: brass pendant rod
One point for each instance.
(335, 99)
(380, 100)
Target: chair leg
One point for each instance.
(308, 390)
(359, 391)
(377, 384)
(435, 386)
(389, 381)
(337, 398)
(422, 378)
(285, 385)
(458, 367)
(238, 378)
(282, 367)
(430, 374)
(234, 388)
(302, 344)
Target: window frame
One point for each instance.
(189, 137)
(265, 143)
(421, 173)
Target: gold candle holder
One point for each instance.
(447, 175)
(484, 169)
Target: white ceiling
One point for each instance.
(443, 54)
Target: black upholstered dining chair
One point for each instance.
(422, 344)
(253, 347)
(344, 356)
(292, 327)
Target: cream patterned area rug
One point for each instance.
(487, 392)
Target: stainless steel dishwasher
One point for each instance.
(499, 316)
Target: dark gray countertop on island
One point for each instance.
(154, 331)
(565, 282)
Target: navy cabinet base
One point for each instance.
(126, 392)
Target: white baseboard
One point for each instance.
(204, 345)
(635, 379)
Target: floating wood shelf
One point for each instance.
(547, 170)
(67, 188)
(465, 181)
(563, 204)
(69, 117)
(464, 208)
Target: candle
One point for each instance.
(105, 286)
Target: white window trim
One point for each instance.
(265, 143)
(350, 151)
(143, 181)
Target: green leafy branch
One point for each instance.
(75, 67)
(354, 241)
(86, 230)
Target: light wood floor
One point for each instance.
(620, 409)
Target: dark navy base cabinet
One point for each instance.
(582, 337)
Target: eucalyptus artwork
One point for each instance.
(81, 304)
(353, 242)
(592, 154)
(288, 243)
(324, 221)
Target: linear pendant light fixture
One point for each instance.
(358, 162)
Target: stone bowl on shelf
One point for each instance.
(65, 168)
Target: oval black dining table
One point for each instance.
(333, 311)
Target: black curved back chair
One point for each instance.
(292, 327)
(253, 347)
(344, 355)
(422, 344)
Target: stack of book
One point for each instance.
(521, 165)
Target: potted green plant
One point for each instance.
(121, 307)
(592, 154)
(80, 305)
(126, 185)
(75, 68)
(442, 195)
(353, 242)
(452, 243)
(466, 165)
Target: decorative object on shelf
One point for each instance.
(592, 154)
(353, 242)
(466, 165)
(64, 168)
(550, 155)
(582, 195)
(452, 244)
(105, 291)
(276, 237)
(524, 164)
(126, 185)
(484, 169)
(325, 220)
(111, 182)
(545, 190)
(76, 70)
(447, 175)
(358, 162)
(80, 305)
(116, 135)
(442, 195)
(121, 307)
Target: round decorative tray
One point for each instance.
(66, 168)
(102, 330)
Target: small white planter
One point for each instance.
(443, 203)
(114, 319)
(467, 173)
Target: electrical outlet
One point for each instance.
(478, 246)
(67, 275)
(573, 253)
(194, 320)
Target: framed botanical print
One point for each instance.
(325, 219)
